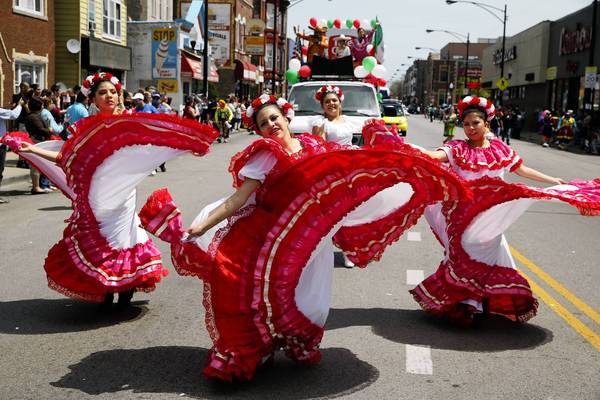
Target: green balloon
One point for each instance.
(373, 23)
(291, 76)
(379, 97)
(330, 23)
(369, 63)
(349, 23)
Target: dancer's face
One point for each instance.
(332, 108)
(475, 127)
(106, 98)
(271, 123)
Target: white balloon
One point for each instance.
(379, 71)
(360, 72)
(369, 48)
(295, 64)
(323, 23)
(366, 24)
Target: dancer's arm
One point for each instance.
(319, 130)
(227, 209)
(437, 155)
(527, 172)
(47, 154)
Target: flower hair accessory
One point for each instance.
(481, 103)
(287, 109)
(93, 80)
(322, 92)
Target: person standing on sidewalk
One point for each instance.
(6, 114)
(223, 117)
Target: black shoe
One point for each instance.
(163, 168)
(108, 300)
(4, 201)
(125, 298)
(219, 140)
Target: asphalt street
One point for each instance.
(378, 344)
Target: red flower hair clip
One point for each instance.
(480, 103)
(329, 89)
(287, 109)
(93, 80)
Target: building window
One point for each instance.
(30, 6)
(154, 13)
(91, 15)
(111, 18)
(30, 73)
(256, 8)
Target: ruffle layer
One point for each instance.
(83, 251)
(502, 290)
(476, 159)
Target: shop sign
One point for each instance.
(255, 27)
(219, 27)
(509, 54)
(167, 86)
(551, 73)
(254, 45)
(590, 77)
(164, 53)
(576, 41)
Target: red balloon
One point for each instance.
(357, 23)
(304, 50)
(304, 71)
(372, 52)
(337, 23)
(313, 22)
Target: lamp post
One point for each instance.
(462, 39)
(488, 8)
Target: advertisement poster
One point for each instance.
(167, 86)
(164, 53)
(219, 25)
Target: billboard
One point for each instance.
(164, 53)
(219, 26)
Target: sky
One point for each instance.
(404, 21)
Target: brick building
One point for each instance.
(26, 45)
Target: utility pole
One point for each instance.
(465, 90)
(205, 51)
(275, 44)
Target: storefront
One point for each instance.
(570, 55)
(192, 73)
(246, 77)
(97, 55)
(525, 63)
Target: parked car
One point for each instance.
(360, 104)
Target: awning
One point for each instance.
(245, 71)
(193, 67)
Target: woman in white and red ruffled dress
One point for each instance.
(265, 254)
(478, 273)
(103, 250)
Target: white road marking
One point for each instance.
(418, 360)
(413, 236)
(414, 276)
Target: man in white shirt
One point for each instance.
(5, 115)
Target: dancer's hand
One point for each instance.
(26, 147)
(558, 181)
(196, 231)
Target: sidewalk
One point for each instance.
(536, 137)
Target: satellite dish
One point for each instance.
(73, 46)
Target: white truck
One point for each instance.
(360, 104)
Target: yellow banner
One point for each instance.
(167, 86)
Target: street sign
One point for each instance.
(590, 77)
(502, 84)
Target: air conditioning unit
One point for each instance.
(91, 26)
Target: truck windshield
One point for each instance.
(358, 101)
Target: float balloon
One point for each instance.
(379, 97)
(291, 76)
(379, 71)
(369, 49)
(305, 71)
(360, 72)
(304, 51)
(373, 23)
(365, 24)
(337, 23)
(330, 23)
(369, 63)
(356, 23)
(349, 23)
(313, 22)
(295, 64)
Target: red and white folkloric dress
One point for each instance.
(103, 249)
(267, 270)
(478, 273)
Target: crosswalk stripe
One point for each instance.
(414, 276)
(418, 360)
